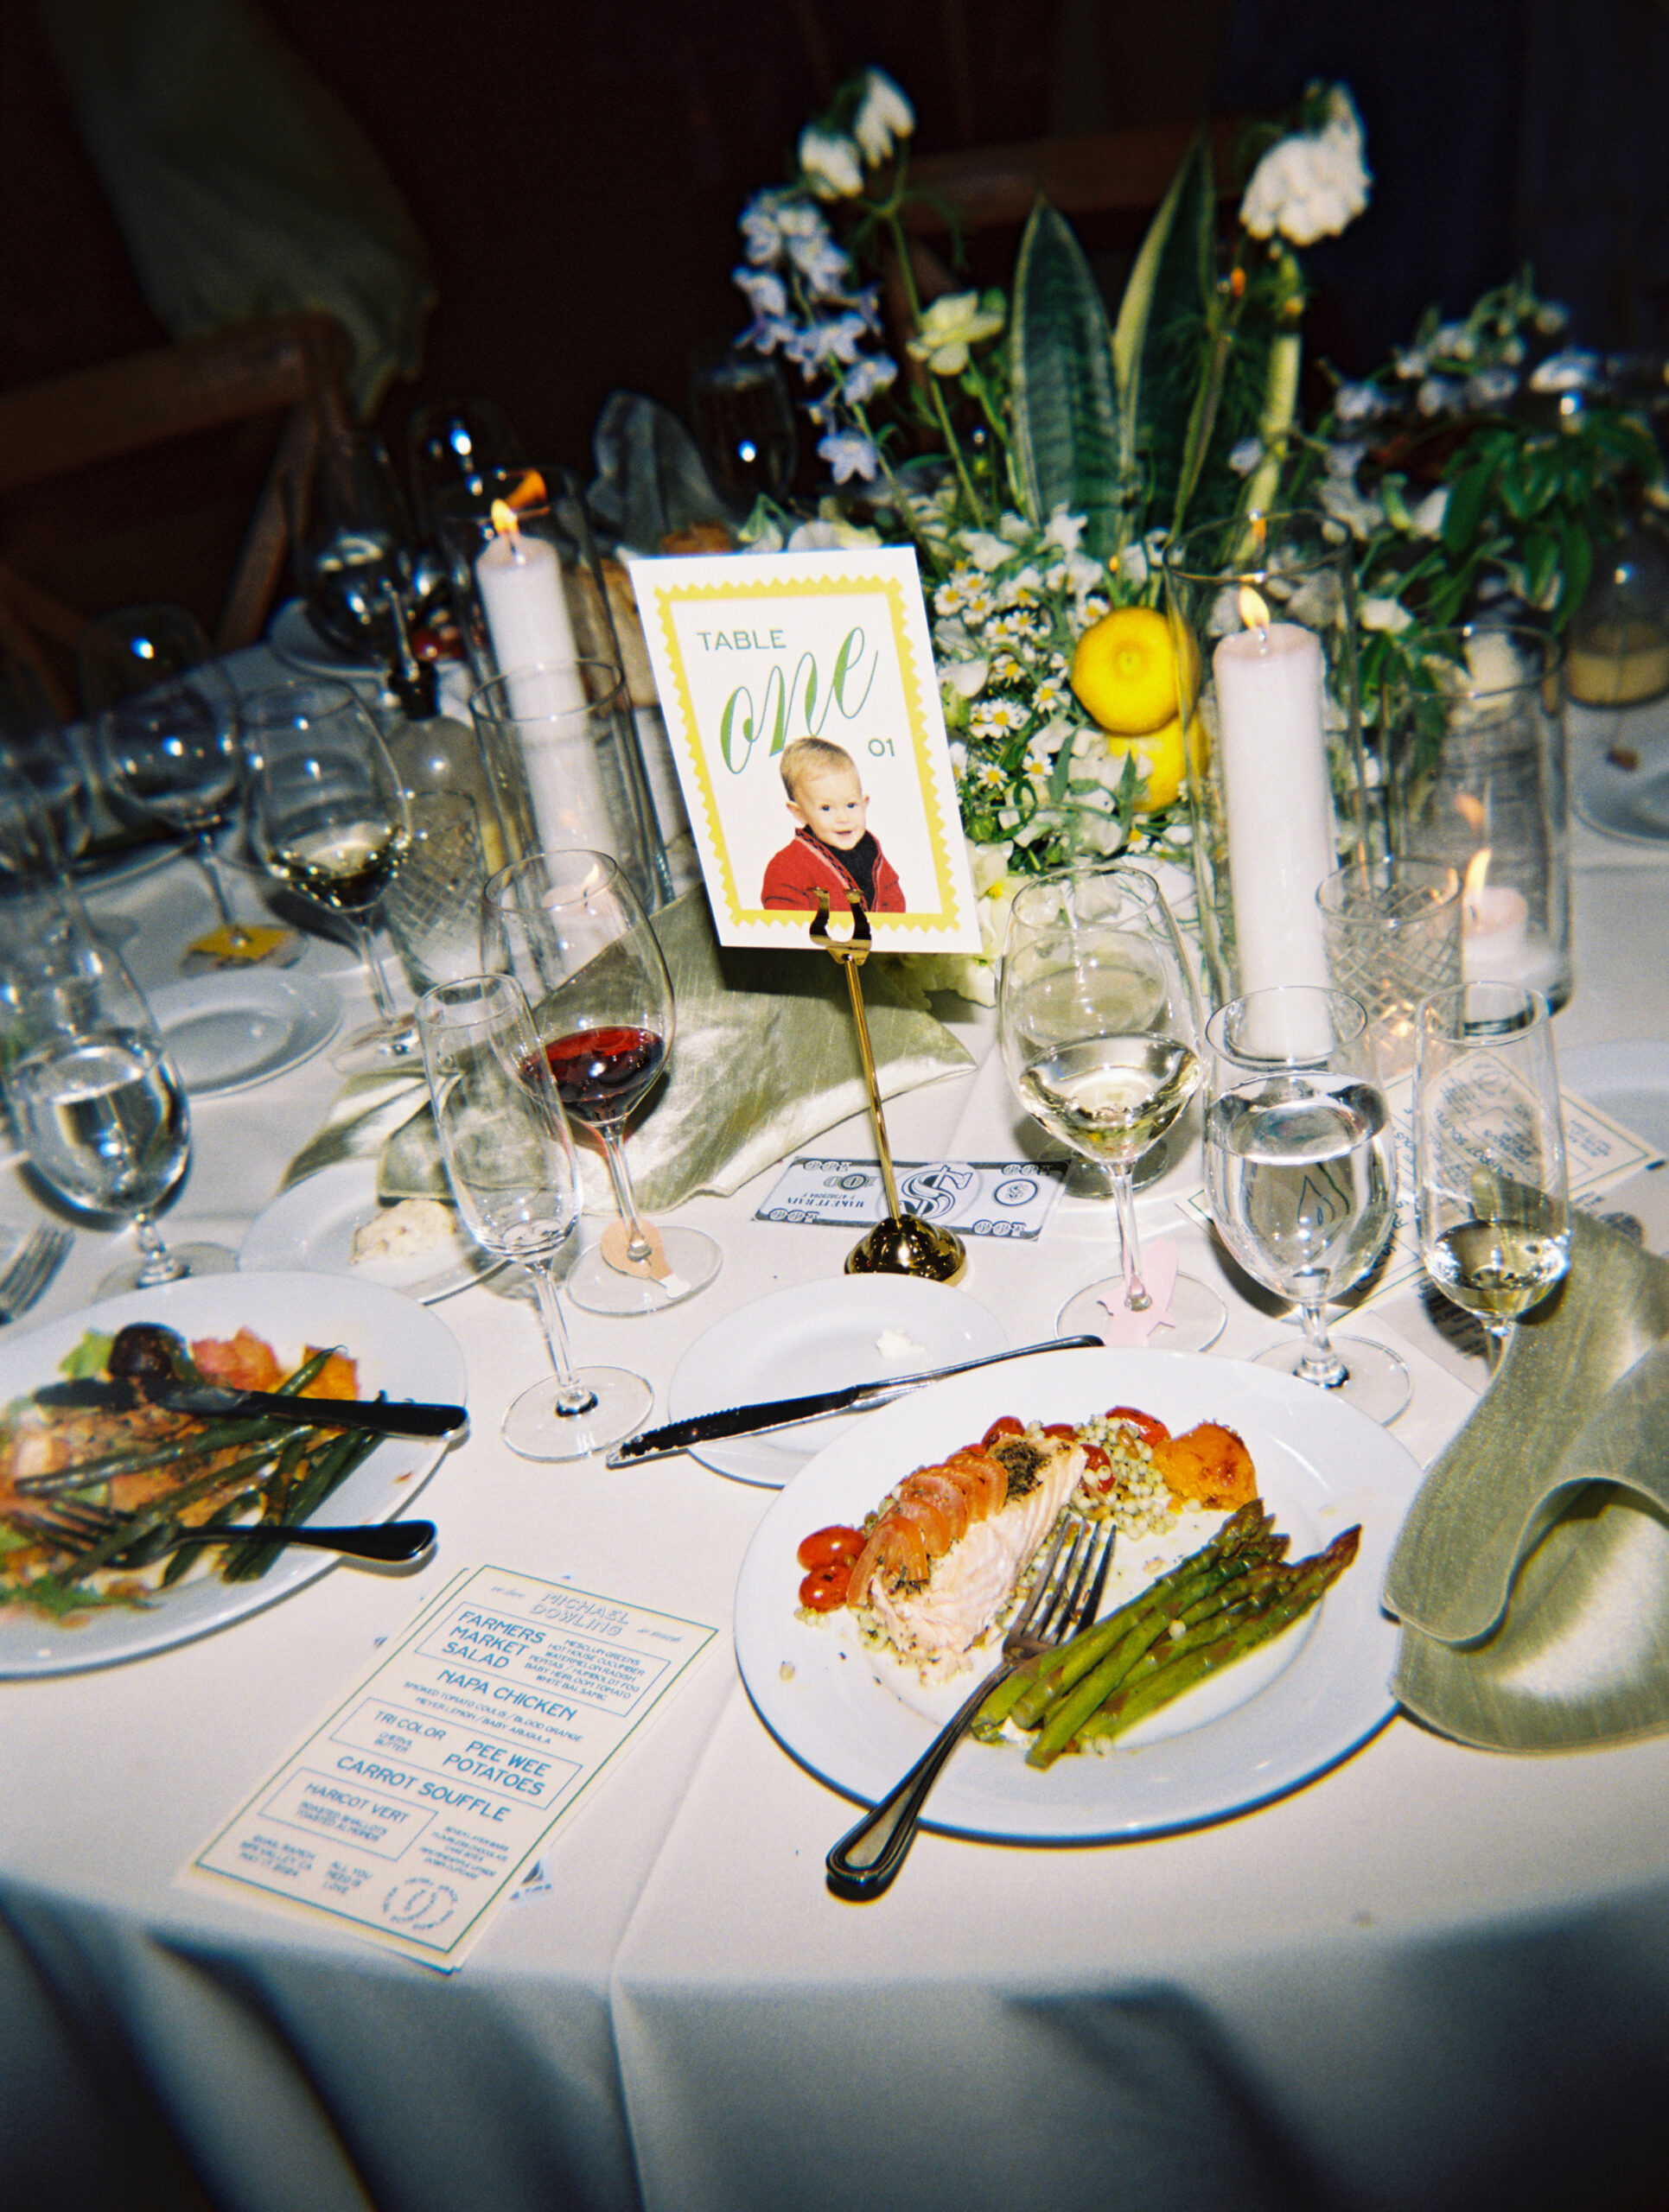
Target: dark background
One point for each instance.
(576, 166)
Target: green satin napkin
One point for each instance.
(1532, 1575)
(764, 1060)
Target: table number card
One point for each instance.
(802, 703)
(421, 1800)
(976, 1198)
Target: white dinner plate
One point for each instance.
(292, 639)
(398, 1349)
(231, 1031)
(1286, 1712)
(1627, 802)
(817, 1337)
(1628, 1080)
(312, 1225)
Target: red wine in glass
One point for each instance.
(601, 1073)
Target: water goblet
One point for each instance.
(327, 818)
(510, 1162)
(1489, 1158)
(1099, 1022)
(96, 1102)
(1300, 1171)
(569, 927)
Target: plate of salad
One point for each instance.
(62, 1612)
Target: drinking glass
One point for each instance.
(351, 550)
(1489, 1154)
(510, 1160)
(97, 1104)
(459, 441)
(133, 649)
(1300, 1171)
(1392, 930)
(328, 817)
(1099, 1020)
(569, 927)
(742, 414)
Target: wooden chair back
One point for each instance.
(284, 376)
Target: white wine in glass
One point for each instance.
(1489, 1154)
(1099, 1022)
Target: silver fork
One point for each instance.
(31, 1267)
(1063, 1600)
(393, 1543)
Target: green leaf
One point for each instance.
(1061, 377)
(1466, 504)
(86, 1359)
(1576, 565)
(1130, 336)
(1541, 558)
(1166, 326)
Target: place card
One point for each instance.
(802, 707)
(976, 1198)
(423, 1797)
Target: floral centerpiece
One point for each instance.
(1038, 453)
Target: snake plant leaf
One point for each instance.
(1062, 379)
(1171, 374)
(1130, 335)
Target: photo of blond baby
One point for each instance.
(834, 848)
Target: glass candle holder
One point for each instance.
(525, 575)
(1262, 620)
(562, 755)
(1393, 929)
(1473, 746)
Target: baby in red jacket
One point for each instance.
(832, 849)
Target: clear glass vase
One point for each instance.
(1262, 618)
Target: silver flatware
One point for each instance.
(380, 1416)
(788, 1413)
(1063, 1600)
(393, 1543)
(31, 1267)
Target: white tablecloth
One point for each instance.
(1431, 1977)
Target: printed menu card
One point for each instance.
(416, 1804)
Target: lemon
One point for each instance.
(1125, 672)
(1166, 759)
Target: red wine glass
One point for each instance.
(569, 927)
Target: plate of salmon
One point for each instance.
(854, 1691)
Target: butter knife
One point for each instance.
(786, 1413)
(382, 1417)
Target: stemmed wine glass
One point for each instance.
(97, 1104)
(569, 927)
(328, 817)
(510, 1162)
(352, 547)
(1100, 1021)
(1300, 1171)
(1489, 1158)
(44, 817)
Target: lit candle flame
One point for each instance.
(503, 519)
(1472, 896)
(1254, 608)
(1470, 810)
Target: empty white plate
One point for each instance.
(227, 1031)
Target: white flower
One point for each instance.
(1360, 403)
(883, 116)
(1439, 396)
(1063, 530)
(965, 677)
(872, 373)
(1490, 388)
(1412, 361)
(1427, 520)
(1312, 184)
(1570, 371)
(949, 328)
(1551, 318)
(1345, 504)
(824, 537)
(1245, 457)
(1385, 614)
(985, 551)
(819, 343)
(849, 454)
(1455, 342)
(1133, 564)
(1344, 460)
(830, 163)
(822, 265)
(763, 289)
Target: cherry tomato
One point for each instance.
(824, 1545)
(1095, 1460)
(824, 1590)
(1150, 1431)
(1008, 1426)
(1059, 1429)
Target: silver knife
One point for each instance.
(786, 1413)
(382, 1417)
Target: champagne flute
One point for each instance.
(510, 1162)
(1301, 1170)
(1100, 1021)
(97, 1103)
(328, 817)
(1489, 1158)
(568, 926)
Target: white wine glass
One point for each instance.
(1489, 1158)
(1300, 1171)
(569, 926)
(97, 1103)
(1100, 1026)
(510, 1160)
(327, 818)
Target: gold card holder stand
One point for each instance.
(901, 1244)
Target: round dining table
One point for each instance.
(1429, 1976)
